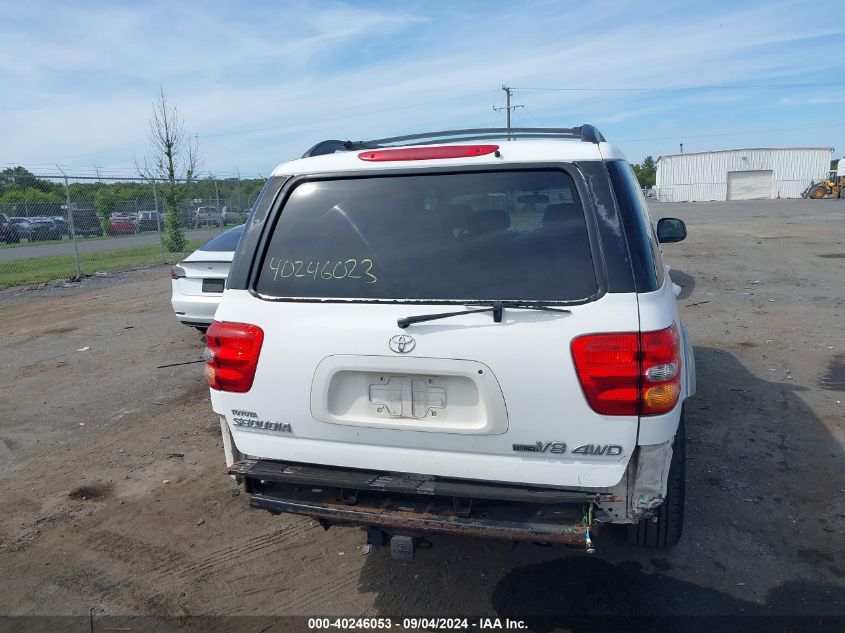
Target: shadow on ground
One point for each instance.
(685, 281)
(759, 462)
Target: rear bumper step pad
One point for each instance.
(374, 481)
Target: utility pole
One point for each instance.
(508, 107)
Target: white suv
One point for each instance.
(472, 334)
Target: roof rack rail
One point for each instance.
(586, 133)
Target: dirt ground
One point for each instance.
(113, 495)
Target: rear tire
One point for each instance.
(666, 531)
(817, 193)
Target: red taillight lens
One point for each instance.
(630, 373)
(427, 153)
(231, 352)
(609, 371)
(177, 272)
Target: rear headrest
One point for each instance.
(457, 215)
(488, 220)
(558, 213)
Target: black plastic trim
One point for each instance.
(590, 134)
(637, 231)
(615, 254)
(326, 147)
(241, 268)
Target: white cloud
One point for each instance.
(260, 83)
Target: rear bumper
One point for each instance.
(194, 309)
(416, 505)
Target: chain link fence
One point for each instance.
(65, 227)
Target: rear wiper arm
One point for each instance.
(496, 309)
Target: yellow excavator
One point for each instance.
(831, 187)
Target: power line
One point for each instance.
(534, 118)
(704, 88)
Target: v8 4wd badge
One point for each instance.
(559, 448)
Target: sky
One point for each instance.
(258, 83)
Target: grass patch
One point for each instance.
(34, 270)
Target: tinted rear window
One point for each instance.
(224, 242)
(473, 236)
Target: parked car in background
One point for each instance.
(207, 216)
(61, 223)
(150, 221)
(42, 229)
(8, 231)
(123, 223)
(230, 216)
(86, 222)
(197, 281)
(23, 227)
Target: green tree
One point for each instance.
(173, 164)
(646, 172)
(29, 194)
(21, 178)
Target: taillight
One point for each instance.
(427, 153)
(177, 272)
(661, 366)
(231, 354)
(609, 371)
(630, 373)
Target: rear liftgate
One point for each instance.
(400, 509)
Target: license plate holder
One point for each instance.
(213, 285)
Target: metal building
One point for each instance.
(740, 174)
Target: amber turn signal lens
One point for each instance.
(661, 398)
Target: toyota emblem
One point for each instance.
(402, 343)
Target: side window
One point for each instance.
(639, 229)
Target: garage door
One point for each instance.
(749, 185)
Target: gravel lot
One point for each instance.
(113, 495)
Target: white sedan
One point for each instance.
(198, 280)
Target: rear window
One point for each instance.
(224, 242)
(515, 235)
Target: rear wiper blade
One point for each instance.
(496, 309)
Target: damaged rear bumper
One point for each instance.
(416, 505)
